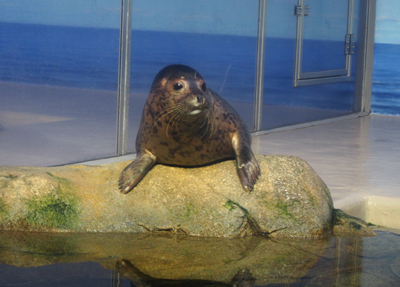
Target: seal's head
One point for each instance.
(183, 87)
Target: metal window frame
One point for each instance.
(364, 70)
(365, 57)
(124, 77)
(259, 77)
(320, 77)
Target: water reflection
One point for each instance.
(167, 260)
(243, 278)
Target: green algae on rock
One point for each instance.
(51, 211)
(3, 210)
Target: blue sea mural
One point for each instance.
(386, 74)
(101, 74)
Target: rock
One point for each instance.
(344, 223)
(289, 199)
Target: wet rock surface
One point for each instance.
(289, 199)
(344, 223)
(148, 258)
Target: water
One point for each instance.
(59, 56)
(386, 80)
(41, 259)
(88, 58)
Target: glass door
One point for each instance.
(324, 41)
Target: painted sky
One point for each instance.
(387, 28)
(81, 13)
(205, 16)
(235, 17)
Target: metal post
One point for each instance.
(124, 76)
(363, 91)
(299, 43)
(259, 82)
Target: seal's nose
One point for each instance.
(200, 100)
(198, 104)
(203, 87)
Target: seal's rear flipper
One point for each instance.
(136, 170)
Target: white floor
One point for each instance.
(359, 160)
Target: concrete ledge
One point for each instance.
(378, 210)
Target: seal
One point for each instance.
(185, 123)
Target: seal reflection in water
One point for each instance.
(185, 123)
(243, 278)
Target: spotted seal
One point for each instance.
(185, 123)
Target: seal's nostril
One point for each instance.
(200, 99)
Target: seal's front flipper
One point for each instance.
(248, 171)
(247, 166)
(136, 170)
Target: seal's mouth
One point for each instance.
(195, 112)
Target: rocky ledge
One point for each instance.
(289, 199)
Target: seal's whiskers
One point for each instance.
(175, 116)
(167, 111)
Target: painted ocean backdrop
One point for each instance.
(59, 56)
(88, 58)
(386, 80)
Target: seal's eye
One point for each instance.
(178, 86)
(204, 87)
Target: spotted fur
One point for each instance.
(185, 123)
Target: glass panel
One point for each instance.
(324, 31)
(216, 38)
(58, 80)
(284, 104)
